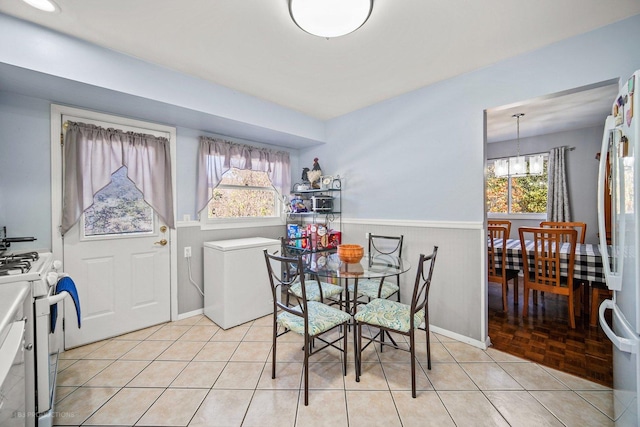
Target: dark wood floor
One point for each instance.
(545, 336)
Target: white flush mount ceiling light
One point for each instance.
(330, 18)
(45, 5)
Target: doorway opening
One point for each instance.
(574, 119)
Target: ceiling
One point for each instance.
(577, 108)
(253, 46)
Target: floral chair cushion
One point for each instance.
(321, 318)
(313, 291)
(369, 288)
(388, 314)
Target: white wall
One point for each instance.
(420, 156)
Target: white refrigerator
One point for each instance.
(621, 150)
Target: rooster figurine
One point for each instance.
(314, 174)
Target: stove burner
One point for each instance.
(17, 263)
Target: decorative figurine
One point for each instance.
(314, 174)
(305, 177)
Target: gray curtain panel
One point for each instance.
(217, 156)
(558, 192)
(92, 154)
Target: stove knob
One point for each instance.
(52, 278)
(57, 265)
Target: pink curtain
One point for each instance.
(217, 156)
(92, 154)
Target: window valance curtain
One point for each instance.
(558, 191)
(217, 156)
(92, 154)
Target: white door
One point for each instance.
(118, 255)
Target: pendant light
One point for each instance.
(518, 164)
(536, 164)
(330, 18)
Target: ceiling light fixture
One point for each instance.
(44, 5)
(536, 164)
(518, 164)
(330, 18)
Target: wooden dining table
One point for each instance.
(587, 265)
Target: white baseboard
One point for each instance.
(461, 338)
(190, 314)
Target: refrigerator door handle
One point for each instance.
(614, 281)
(627, 345)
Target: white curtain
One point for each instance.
(217, 156)
(558, 192)
(92, 154)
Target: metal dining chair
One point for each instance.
(405, 319)
(542, 268)
(317, 290)
(385, 287)
(311, 319)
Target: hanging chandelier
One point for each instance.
(330, 18)
(517, 166)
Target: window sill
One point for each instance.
(225, 224)
(542, 217)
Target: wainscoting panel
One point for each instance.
(457, 299)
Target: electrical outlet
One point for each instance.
(187, 252)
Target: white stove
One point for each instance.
(41, 272)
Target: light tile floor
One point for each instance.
(192, 373)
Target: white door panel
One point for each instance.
(115, 258)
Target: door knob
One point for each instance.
(162, 242)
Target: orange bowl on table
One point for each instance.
(350, 253)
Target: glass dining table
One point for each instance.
(329, 268)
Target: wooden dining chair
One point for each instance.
(404, 319)
(387, 286)
(498, 257)
(580, 227)
(311, 319)
(598, 292)
(542, 264)
(500, 223)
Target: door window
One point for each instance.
(118, 209)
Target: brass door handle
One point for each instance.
(162, 242)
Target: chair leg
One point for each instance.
(412, 340)
(358, 349)
(344, 349)
(273, 354)
(426, 327)
(572, 320)
(504, 295)
(307, 350)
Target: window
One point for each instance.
(240, 185)
(243, 194)
(118, 209)
(517, 194)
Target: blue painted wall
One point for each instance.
(421, 155)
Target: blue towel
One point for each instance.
(65, 284)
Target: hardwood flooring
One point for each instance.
(546, 338)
